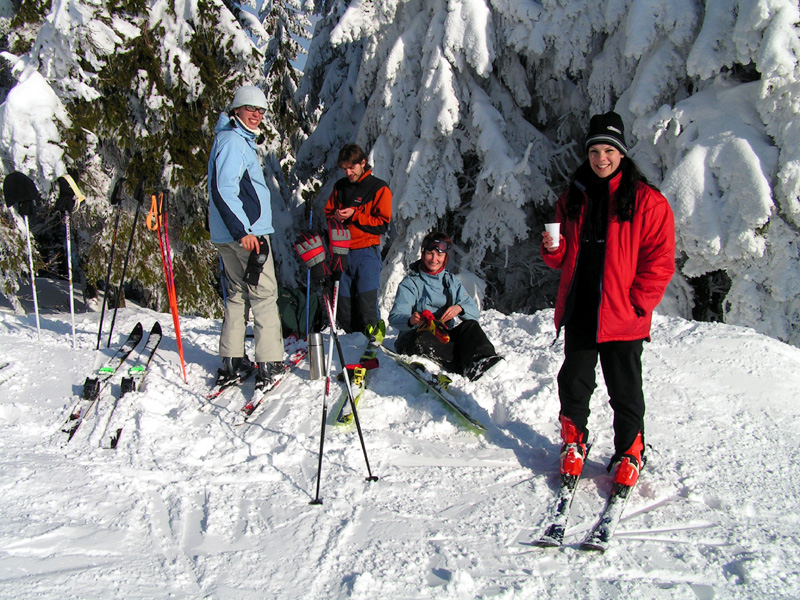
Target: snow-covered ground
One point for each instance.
(189, 506)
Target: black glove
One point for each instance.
(339, 240)
(18, 188)
(69, 195)
(256, 262)
(66, 197)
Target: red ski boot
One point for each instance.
(573, 450)
(631, 462)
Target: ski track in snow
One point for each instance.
(190, 506)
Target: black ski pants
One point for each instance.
(621, 363)
(468, 344)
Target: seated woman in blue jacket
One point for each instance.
(428, 301)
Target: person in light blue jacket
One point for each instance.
(429, 299)
(240, 222)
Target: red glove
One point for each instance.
(309, 246)
(339, 239)
(435, 326)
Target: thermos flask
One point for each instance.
(316, 355)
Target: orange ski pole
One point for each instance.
(154, 222)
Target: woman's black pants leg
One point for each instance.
(621, 364)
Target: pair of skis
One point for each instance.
(94, 387)
(437, 385)
(599, 537)
(220, 389)
(249, 411)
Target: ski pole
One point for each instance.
(346, 375)
(325, 397)
(158, 213)
(308, 280)
(69, 276)
(115, 199)
(329, 307)
(69, 198)
(19, 188)
(33, 278)
(175, 316)
(138, 195)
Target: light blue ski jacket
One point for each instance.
(421, 291)
(239, 201)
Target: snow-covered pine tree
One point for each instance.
(24, 126)
(284, 24)
(414, 84)
(141, 84)
(475, 110)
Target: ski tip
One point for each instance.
(544, 543)
(114, 439)
(156, 328)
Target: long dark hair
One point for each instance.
(584, 178)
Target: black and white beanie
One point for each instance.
(606, 129)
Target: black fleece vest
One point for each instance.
(355, 195)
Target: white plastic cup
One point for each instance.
(554, 229)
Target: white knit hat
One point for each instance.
(249, 95)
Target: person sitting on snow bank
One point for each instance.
(427, 303)
(616, 253)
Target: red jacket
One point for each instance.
(639, 263)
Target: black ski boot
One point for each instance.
(267, 373)
(234, 368)
(480, 366)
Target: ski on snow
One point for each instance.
(437, 385)
(94, 386)
(250, 410)
(553, 535)
(369, 360)
(220, 389)
(133, 382)
(600, 535)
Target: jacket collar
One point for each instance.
(586, 177)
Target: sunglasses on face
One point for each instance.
(439, 246)
(257, 109)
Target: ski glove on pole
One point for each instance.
(256, 261)
(435, 326)
(69, 194)
(339, 239)
(19, 189)
(309, 246)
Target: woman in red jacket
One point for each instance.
(616, 252)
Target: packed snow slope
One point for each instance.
(189, 506)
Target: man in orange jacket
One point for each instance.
(363, 203)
